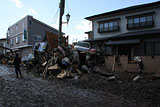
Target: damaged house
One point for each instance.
(127, 33)
(22, 35)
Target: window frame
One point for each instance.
(11, 41)
(109, 28)
(17, 40)
(154, 48)
(30, 22)
(16, 27)
(140, 24)
(157, 54)
(107, 51)
(36, 35)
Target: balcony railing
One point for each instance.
(140, 25)
(108, 29)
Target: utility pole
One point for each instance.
(61, 6)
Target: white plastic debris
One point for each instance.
(136, 78)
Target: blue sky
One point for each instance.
(46, 11)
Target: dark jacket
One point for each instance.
(17, 61)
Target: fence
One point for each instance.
(151, 64)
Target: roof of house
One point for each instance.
(3, 39)
(40, 22)
(129, 34)
(119, 42)
(137, 33)
(96, 39)
(148, 5)
(89, 32)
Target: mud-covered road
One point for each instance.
(91, 90)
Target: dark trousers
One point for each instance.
(18, 71)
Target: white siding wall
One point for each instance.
(123, 23)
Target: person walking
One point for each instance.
(17, 61)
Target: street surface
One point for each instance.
(32, 91)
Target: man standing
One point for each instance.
(17, 61)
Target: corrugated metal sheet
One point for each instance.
(53, 40)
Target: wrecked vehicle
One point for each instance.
(27, 58)
(82, 46)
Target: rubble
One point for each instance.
(6, 56)
(61, 62)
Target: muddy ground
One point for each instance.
(90, 90)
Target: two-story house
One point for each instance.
(131, 31)
(22, 35)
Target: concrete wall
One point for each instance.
(35, 28)
(17, 30)
(123, 22)
(151, 64)
(38, 28)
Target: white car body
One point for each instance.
(82, 46)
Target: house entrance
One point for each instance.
(125, 50)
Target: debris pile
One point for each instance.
(61, 62)
(6, 55)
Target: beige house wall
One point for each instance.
(151, 64)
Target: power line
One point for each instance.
(69, 9)
(55, 17)
(73, 17)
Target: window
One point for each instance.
(130, 23)
(24, 36)
(11, 41)
(30, 21)
(4, 45)
(16, 26)
(108, 50)
(101, 27)
(149, 20)
(140, 21)
(115, 23)
(110, 25)
(37, 37)
(157, 48)
(17, 40)
(107, 26)
(83, 44)
(152, 48)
